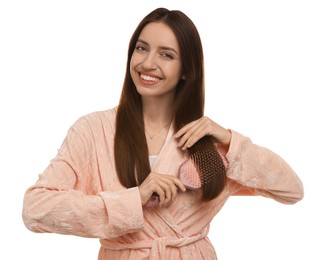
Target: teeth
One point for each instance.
(148, 78)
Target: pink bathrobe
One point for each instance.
(79, 194)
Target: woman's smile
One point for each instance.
(148, 79)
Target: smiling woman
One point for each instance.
(112, 162)
(155, 65)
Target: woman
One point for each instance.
(112, 162)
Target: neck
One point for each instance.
(156, 113)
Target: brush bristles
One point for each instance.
(210, 167)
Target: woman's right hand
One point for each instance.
(166, 186)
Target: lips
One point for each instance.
(149, 78)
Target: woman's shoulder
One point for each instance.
(97, 119)
(102, 115)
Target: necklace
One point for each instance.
(157, 132)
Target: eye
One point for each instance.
(140, 48)
(167, 55)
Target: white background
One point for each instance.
(60, 60)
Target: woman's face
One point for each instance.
(155, 65)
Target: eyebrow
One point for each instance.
(161, 47)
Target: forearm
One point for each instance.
(262, 171)
(73, 213)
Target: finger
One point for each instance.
(196, 135)
(186, 137)
(168, 195)
(168, 186)
(184, 129)
(171, 180)
(173, 193)
(149, 186)
(180, 185)
(165, 186)
(161, 195)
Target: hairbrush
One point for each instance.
(191, 172)
(189, 176)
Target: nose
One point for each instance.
(150, 62)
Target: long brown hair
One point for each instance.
(131, 151)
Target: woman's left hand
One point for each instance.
(195, 130)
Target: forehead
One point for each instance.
(159, 34)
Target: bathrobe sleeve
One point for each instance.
(68, 198)
(259, 171)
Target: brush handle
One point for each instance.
(153, 201)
